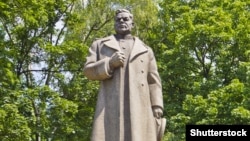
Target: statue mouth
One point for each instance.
(122, 26)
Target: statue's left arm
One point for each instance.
(155, 86)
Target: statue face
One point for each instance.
(123, 23)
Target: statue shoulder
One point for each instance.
(103, 39)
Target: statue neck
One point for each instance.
(125, 36)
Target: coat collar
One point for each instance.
(138, 48)
(111, 42)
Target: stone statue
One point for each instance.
(130, 103)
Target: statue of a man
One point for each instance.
(130, 95)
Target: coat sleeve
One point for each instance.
(154, 82)
(95, 68)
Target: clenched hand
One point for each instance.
(117, 60)
(157, 111)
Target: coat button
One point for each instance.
(142, 71)
(141, 60)
(142, 84)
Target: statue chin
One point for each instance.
(123, 32)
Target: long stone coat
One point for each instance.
(124, 105)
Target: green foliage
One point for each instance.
(13, 124)
(224, 106)
(31, 61)
(204, 47)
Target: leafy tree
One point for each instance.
(29, 97)
(205, 47)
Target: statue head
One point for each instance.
(123, 22)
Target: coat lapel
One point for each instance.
(138, 49)
(112, 43)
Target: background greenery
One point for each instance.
(202, 48)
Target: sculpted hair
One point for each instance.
(124, 11)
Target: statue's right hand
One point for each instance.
(117, 60)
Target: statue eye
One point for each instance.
(123, 19)
(126, 19)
